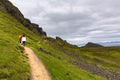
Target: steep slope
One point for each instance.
(63, 61)
(8, 7)
(13, 64)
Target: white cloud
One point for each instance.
(77, 21)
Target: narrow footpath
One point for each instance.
(38, 70)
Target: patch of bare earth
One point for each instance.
(38, 70)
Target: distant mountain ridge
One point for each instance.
(115, 43)
(8, 7)
(91, 44)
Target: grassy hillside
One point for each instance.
(104, 56)
(60, 68)
(14, 66)
(102, 60)
(107, 57)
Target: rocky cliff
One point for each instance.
(8, 7)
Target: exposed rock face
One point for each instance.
(60, 39)
(90, 44)
(8, 7)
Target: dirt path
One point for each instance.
(38, 70)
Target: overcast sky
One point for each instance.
(77, 21)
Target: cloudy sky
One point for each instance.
(77, 21)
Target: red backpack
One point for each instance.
(20, 37)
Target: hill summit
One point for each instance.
(8, 7)
(90, 44)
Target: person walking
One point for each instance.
(23, 40)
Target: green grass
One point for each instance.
(62, 69)
(13, 64)
(107, 57)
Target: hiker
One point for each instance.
(20, 38)
(23, 40)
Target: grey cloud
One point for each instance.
(68, 23)
(77, 21)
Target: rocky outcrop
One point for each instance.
(8, 7)
(59, 39)
(64, 42)
(90, 44)
(94, 69)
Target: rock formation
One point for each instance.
(8, 7)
